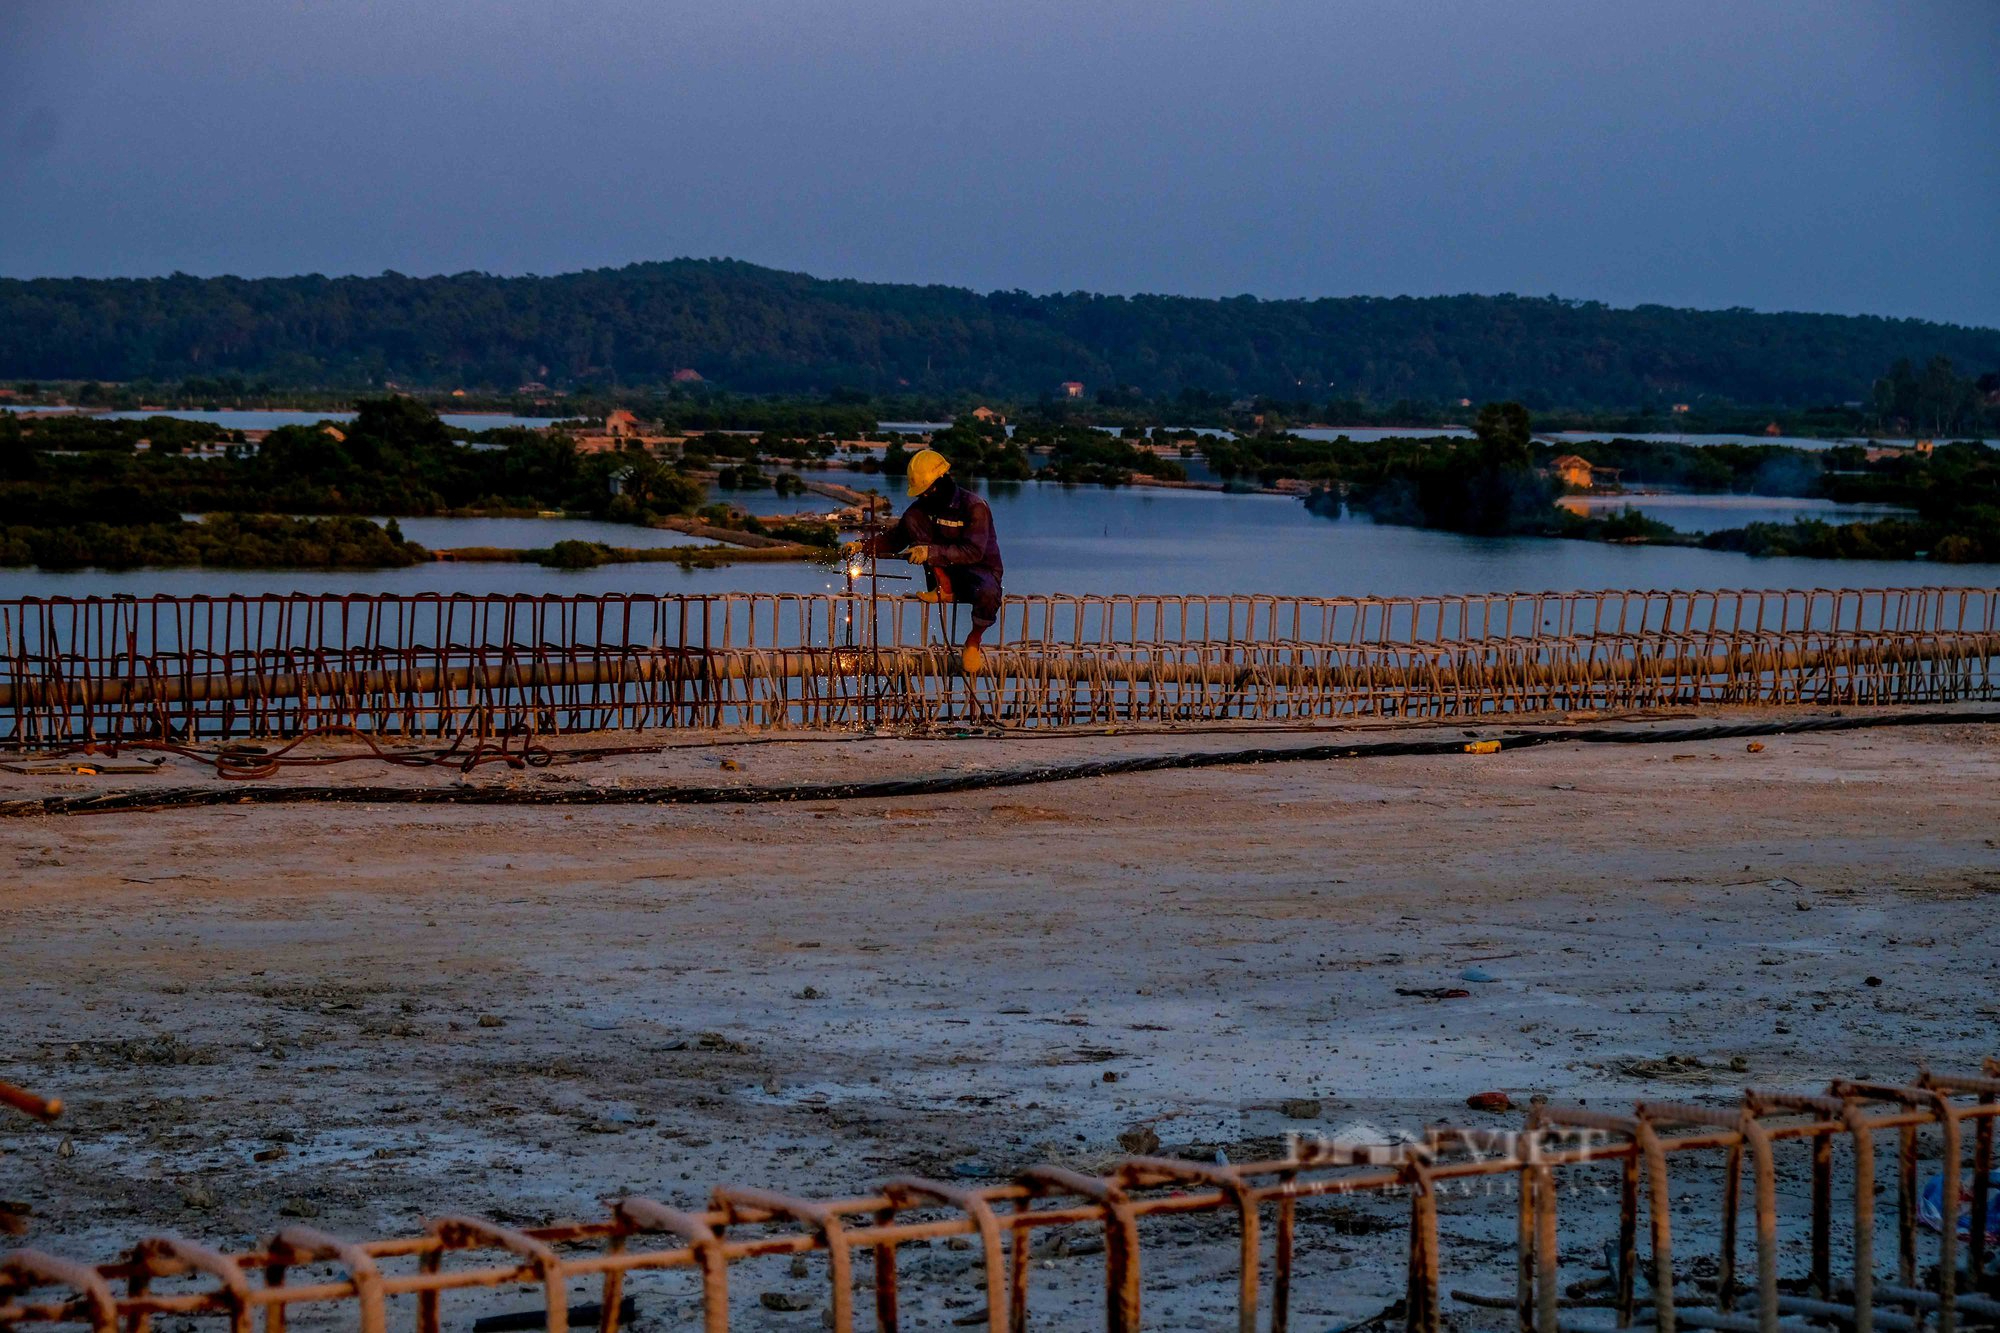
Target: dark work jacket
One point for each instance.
(959, 533)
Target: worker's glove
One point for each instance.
(920, 555)
(859, 546)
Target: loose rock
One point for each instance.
(1140, 1140)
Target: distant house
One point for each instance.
(988, 416)
(687, 375)
(458, 393)
(621, 425)
(1918, 449)
(1772, 429)
(1571, 470)
(1072, 388)
(1681, 409)
(1465, 402)
(334, 433)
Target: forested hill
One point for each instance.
(754, 329)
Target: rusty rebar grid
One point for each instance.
(28, 1104)
(431, 665)
(744, 1225)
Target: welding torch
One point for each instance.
(859, 564)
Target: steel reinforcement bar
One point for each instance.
(192, 668)
(1947, 1281)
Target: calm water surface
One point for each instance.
(1711, 513)
(1089, 540)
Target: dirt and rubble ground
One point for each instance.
(370, 1014)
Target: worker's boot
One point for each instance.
(972, 657)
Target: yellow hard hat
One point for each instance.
(925, 469)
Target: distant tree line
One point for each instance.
(230, 541)
(757, 330)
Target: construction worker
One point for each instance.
(949, 532)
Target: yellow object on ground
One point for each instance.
(925, 469)
(1483, 747)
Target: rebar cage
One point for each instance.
(192, 668)
(1939, 1277)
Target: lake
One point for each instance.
(1712, 513)
(1089, 540)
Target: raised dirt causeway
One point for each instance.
(522, 1012)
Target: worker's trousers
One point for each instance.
(970, 586)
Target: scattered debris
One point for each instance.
(1490, 1101)
(1140, 1141)
(588, 1315)
(71, 769)
(1681, 1067)
(715, 1041)
(1930, 1207)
